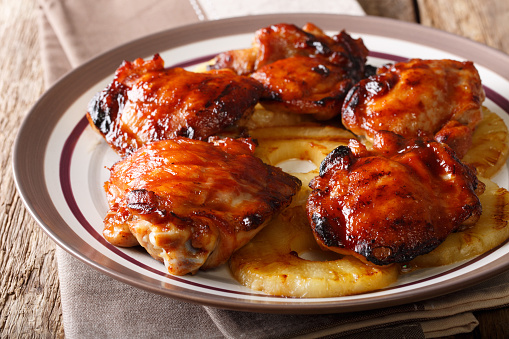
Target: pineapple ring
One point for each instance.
(303, 141)
(490, 145)
(271, 263)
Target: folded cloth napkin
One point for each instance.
(97, 306)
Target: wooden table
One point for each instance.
(29, 287)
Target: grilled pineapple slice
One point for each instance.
(490, 145)
(272, 263)
(304, 142)
(490, 231)
(262, 117)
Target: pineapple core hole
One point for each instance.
(296, 166)
(319, 255)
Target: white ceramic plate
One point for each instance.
(59, 162)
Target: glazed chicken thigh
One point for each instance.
(192, 203)
(304, 85)
(392, 204)
(281, 41)
(440, 99)
(303, 71)
(146, 102)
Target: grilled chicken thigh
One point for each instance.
(146, 102)
(304, 85)
(391, 205)
(440, 99)
(283, 41)
(192, 203)
(304, 71)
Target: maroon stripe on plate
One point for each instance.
(194, 62)
(387, 56)
(497, 98)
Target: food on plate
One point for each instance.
(279, 261)
(490, 145)
(394, 203)
(303, 71)
(147, 102)
(386, 192)
(433, 98)
(192, 203)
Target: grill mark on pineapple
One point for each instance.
(501, 213)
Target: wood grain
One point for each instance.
(29, 289)
(484, 21)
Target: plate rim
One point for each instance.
(105, 63)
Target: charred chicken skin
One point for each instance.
(192, 203)
(304, 71)
(394, 203)
(439, 99)
(147, 102)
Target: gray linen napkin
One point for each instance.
(95, 305)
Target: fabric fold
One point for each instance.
(54, 59)
(97, 306)
(85, 29)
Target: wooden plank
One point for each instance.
(485, 21)
(29, 288)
